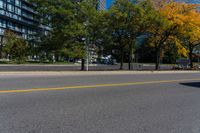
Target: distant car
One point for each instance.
(78, 61)
(110, 62)
(114, 62)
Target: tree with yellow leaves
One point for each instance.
(160, 30)
(190, 32)
(173, 19)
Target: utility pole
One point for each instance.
(87, 45)
(132, 56)
(87, 52)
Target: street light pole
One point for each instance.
(87, 45)
(87, 66)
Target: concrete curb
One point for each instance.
(79, 73)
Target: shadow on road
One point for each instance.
(192, 84)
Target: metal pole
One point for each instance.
(87, 66)
(87, 47)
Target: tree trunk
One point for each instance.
(190, 57)
(82, 64)
(157, 59)
(131, 57)
(1, 49)
(129, 61)
(56, 57)
(122, 59)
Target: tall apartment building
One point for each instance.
(19, 17)
(102, 5)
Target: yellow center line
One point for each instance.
(95, 86)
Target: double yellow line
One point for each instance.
(95, 86)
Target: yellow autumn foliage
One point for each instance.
(181, 50)
(180, 13)
(186, 17)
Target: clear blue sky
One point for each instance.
(108, 3)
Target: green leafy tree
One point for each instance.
(58, 16)
(118, 21)
(126, 18)
(159, 28)
(135, 27)
(74, 26)
(15, 47)
(90, 27)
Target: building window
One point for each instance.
(1, 31)
(11, 1)
(18, 11)
(1, 4)
(2, 23)
(10, 8)
(17, 3)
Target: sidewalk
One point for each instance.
(69, 67)
(79, 73)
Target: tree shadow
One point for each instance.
(192, 84)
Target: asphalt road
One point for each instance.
(151, 103)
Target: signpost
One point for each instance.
(183, 63)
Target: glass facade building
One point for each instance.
(19, 17)
(102, 5)
(105, 4)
